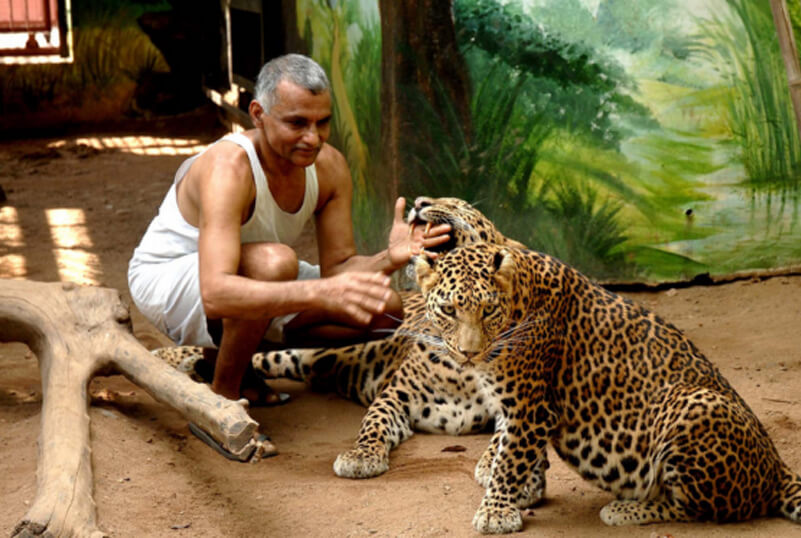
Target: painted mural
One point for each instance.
(650, 140)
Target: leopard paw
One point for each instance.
(357, 463)
(494, 518)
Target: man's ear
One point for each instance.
(427, 277)
(255, 110)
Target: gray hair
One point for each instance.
(295, 68)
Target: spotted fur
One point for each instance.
(362, 372)
(624, 398)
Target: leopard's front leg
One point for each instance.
(385, 426)
(533, 492)
(483, 471)
(517, 470)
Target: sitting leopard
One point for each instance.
(624, 398)
(361, 372)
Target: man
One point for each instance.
(214, 269)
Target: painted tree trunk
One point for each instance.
(784, 29)
(419, 50)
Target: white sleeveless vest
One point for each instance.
(169, 236)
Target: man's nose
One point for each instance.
(312, 135)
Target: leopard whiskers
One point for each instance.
(387, 330)
(516, 336)
(477, 203)
(420, 336)
(383, 331)
(393, 318)
(522, 328)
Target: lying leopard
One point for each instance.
(624, 398)
(361, 372)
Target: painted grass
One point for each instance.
(760, 112)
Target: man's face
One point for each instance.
(298, 123)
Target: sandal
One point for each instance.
(260, 447)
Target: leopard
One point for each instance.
(623, 397)
(361, 372)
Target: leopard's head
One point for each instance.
(469, 298)
(468, 224)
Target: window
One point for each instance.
(33, 31)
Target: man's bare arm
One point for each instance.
(226, 192)
(404, 242)
(335, 228)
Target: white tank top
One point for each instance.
(169, 236)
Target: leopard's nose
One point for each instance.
(421, 201)
(468, 353)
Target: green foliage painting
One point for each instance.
(650, 140)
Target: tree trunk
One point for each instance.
(419, 50)
(784, 29)
(292, 40)
(77, 333)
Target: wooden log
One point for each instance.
(77, 333)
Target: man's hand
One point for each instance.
(355, 296)
(407, 240)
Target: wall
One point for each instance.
(646, 141)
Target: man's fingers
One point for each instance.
(368, 295)
(428, 231)
(439, 229)
(369, 304)
(379, 280)
(434, 235)
(400, 206)
(371, 300)
(363, 307)
(434, 241)
(376, 296)
(361, 317)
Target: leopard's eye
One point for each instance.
(448, 309)
(489, 310)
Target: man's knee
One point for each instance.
(268, 262)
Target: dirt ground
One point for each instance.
(78, 204)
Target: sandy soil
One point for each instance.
(153, 478)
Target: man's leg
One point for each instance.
(240, 338)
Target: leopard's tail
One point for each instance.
(788, 503)
(358, 372)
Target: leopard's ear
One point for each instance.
(505, 268)
(427, 276)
